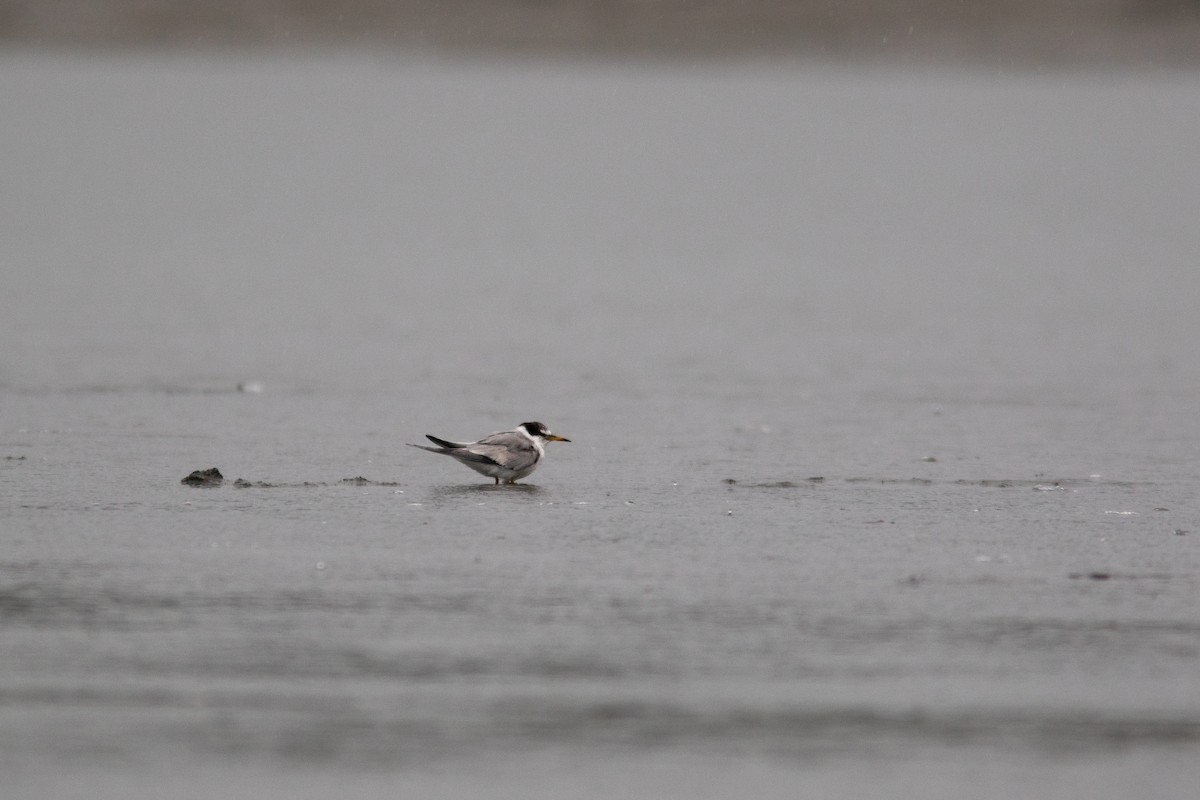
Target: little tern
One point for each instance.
(506, 456)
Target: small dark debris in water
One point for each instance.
(879, 522)
(929, 459)
(204, 477)
(914, 580)
(1125, 576)
(1160, 508)
(1038, 484)
(361, 481)
(771, 484)
(1181, 532)
(1041, 484)
(913, 481)
(242, 483)
(14, 458)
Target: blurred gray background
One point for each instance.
(1131, 31)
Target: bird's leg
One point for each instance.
(497, 481)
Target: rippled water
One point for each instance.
(881, 391)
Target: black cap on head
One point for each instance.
(535, 428)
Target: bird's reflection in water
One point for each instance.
(484, 491)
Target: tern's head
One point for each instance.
(538, 430)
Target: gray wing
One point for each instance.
(506, 448)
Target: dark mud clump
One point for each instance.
(205, 477)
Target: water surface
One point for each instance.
(881, 388)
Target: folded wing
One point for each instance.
(508, 449)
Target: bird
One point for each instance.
(507, 456)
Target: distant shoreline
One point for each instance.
(1137, 32)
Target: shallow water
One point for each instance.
(880, 389)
